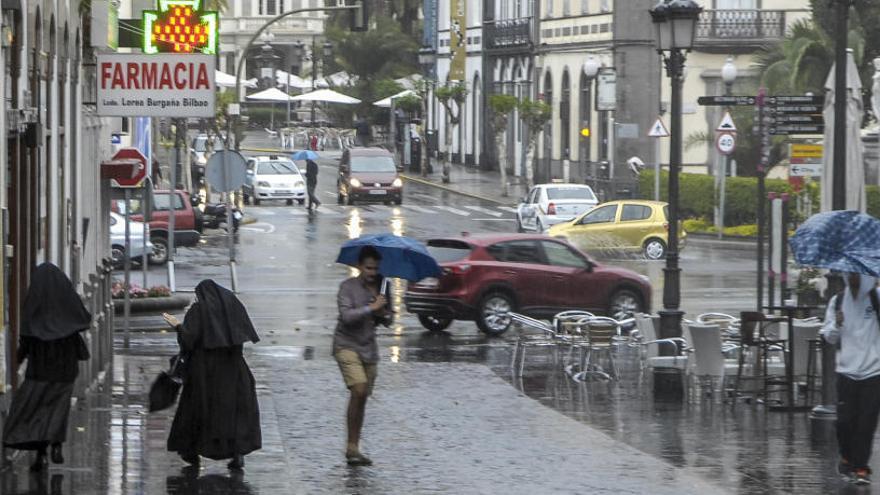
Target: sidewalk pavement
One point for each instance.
(484, 185)
(430, 428)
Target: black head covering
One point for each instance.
(222, 318)
(52, 308)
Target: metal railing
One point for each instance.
(289, 25)
(508, 33)
(741, 25)
(99, 337)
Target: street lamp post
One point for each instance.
(296, 54)
(427, 60)
(728, 75)
(267, 61)
(675, 23)
(327, 51)
(591, 70)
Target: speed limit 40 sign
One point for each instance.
(725, 143)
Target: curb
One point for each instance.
(452, 190)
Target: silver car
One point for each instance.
(135, 236)
(548, 204)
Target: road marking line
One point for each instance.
(298, 213)
(494, 219)
(418, 209)
(484, 210)
(507, 208)
(261, 211)
(452, 210)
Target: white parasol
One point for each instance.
(328, 96)
(271, 94)
(855, 165)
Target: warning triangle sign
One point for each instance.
(658, 129)
(726, 124)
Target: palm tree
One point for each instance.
(801, 61)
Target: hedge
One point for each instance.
(697, 195)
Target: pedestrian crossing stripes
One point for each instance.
(474, 212)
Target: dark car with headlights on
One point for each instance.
(486, 276)
(368, 175)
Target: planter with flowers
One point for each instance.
(154, 299)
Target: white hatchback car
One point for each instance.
(548, 204)
(273, 177)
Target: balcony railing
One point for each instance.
(508, 33)
(288, 25)
(741, 25)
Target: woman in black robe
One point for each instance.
(52, 319)
(217, 416)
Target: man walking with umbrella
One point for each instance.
(852, 323)
(361, 308)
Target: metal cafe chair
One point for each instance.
(547, 338)
(754, 336)
(600, 341)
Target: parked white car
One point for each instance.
(273, 177)
(136, 238)
(548, 204)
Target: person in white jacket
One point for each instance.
(853, 325)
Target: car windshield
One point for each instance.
(570, 193)
(277, 168)
(373, 164)
(448, 251)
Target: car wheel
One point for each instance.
(624, 303)
(289, 202)
(492, 313)
(434, 323)
(301, 201)
(655, 249)
(340, 199)
(349, 200)
(519, 225)
(117, 255)
(256, 201)
(539, 227)
(398, 202)
(247, 199)
(160, 251)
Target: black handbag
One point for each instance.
(166, 386)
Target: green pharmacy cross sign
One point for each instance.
(180, 26)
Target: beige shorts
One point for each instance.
(355, 371)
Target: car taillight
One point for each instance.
(551, 209)
(666, 226)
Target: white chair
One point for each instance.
(709, 366)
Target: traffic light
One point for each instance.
(180, 26)
(360, 17)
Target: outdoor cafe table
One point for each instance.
(790, 312)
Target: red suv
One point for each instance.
(486, 276)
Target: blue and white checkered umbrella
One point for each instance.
(845, 241)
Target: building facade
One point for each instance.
(55, 206)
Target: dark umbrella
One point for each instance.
(402, 257)
(845, 241)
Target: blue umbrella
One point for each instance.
(402, 257)
(304, 155)
(845, 241)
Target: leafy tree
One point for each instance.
(534, 115)
(502, 106)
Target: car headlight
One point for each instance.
(397, 183)
(263, 183)
(298, 183)
(354, 182)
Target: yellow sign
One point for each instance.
(457, 39)
(585, 132)
(806, 150)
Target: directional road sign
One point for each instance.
(799, 100)
(797, 118)
(817, 109)
(726, 101)
(787, 129)
(806, 170)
